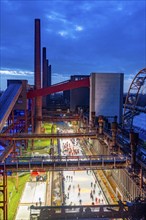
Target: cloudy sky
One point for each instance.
(81, 36)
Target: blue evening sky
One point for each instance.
(81, 36)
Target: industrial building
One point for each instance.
(106, 94)
(79, 97)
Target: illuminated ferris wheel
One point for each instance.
(137, 87)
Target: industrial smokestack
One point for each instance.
(49, 75)
(37, 70)
(44, 70)
(44, 84)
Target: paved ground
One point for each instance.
(33, 194)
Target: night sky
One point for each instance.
(80, 36)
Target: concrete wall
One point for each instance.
(106, 94)
(80, 96)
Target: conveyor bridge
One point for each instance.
(133, 211)
(63, 86)
(27, 136)
(60, 118)
(7, 102)
(62, 163)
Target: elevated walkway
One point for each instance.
(7, 102)
(131, 211)
(26, 136)
(62, 163)
(60, 118)
(63, 86)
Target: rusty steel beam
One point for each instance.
(60, 118)
(6, 153)
(59, 87)
(4, 194)
(26, 136)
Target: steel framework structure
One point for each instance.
(135, 211)
(3, 190)
(61, 163)
(131, 100)
(27, 136)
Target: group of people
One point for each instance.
(39, 203)
(70, 148)
(72, 189)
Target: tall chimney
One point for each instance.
(48, 80)
(37, 70)
(44, 70)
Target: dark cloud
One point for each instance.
(80, 36)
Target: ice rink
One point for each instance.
(80, 187)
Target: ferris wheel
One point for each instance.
(137, 87)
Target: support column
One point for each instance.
(14, 149)
(100, 124)
(26, 127)
(133, 143)
(114, 134)
(13, 121)
(32, 114)
(92, 122)
(3, 190)
(141, 179)
(49, 77)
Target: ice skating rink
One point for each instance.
(80, 187)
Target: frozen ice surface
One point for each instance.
(80, 186)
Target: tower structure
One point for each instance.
(49, 79)
(46, 77)
(37, 70)
(44, 70)
(106, 94)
